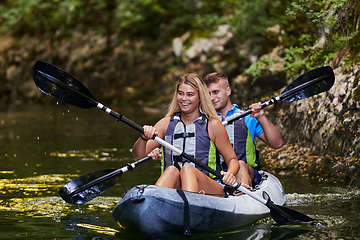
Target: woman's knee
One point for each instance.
(187, 169)
(169, 178)
(172, 170)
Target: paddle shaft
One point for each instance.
(118, 116)
(123, 119)
(129, 167)
(274, 100)
(241, 114)
(162, 142)
(130, 123)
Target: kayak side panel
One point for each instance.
(160, 213)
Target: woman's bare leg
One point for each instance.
(170, 178)
(193, 180)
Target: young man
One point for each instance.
(242, 132)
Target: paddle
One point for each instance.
(92, 184)
(309, 84)
(58, 84)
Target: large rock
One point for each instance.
(328, 122)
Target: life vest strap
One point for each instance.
(183, 135)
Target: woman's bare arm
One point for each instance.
(142, 147)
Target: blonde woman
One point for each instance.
(192, 125)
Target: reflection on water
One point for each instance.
(89, 155)
(98, 229)
(33, 185)
(55, 207)
(256, 233)
(43, 148)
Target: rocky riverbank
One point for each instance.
(322, 133)
(293, 159)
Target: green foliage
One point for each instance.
(321, 12)
(52, 18)
(256, 68)
(331, 19)
(294, 55)
(153, 19)
(313, 31)
(250, 19)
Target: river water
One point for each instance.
(45, 146)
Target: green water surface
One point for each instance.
(44, 147)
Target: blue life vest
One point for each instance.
(193, 140)
(242, 142)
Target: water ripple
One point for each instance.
(296, 199)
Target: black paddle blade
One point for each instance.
(283, 215)
(58, 84)
(309, 84)
(90, 185)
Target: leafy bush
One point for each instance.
(332, 21)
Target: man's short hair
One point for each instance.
(214, 77)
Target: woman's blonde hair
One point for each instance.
(198, 84)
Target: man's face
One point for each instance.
(219, 93)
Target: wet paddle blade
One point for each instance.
(56, 83)
(89, 186)
(309, 84)
(92, 184)
(283, 215)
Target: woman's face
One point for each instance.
(188, 98)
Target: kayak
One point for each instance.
(160, 212)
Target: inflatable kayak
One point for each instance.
(160, 212)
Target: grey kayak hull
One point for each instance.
(158, 212)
